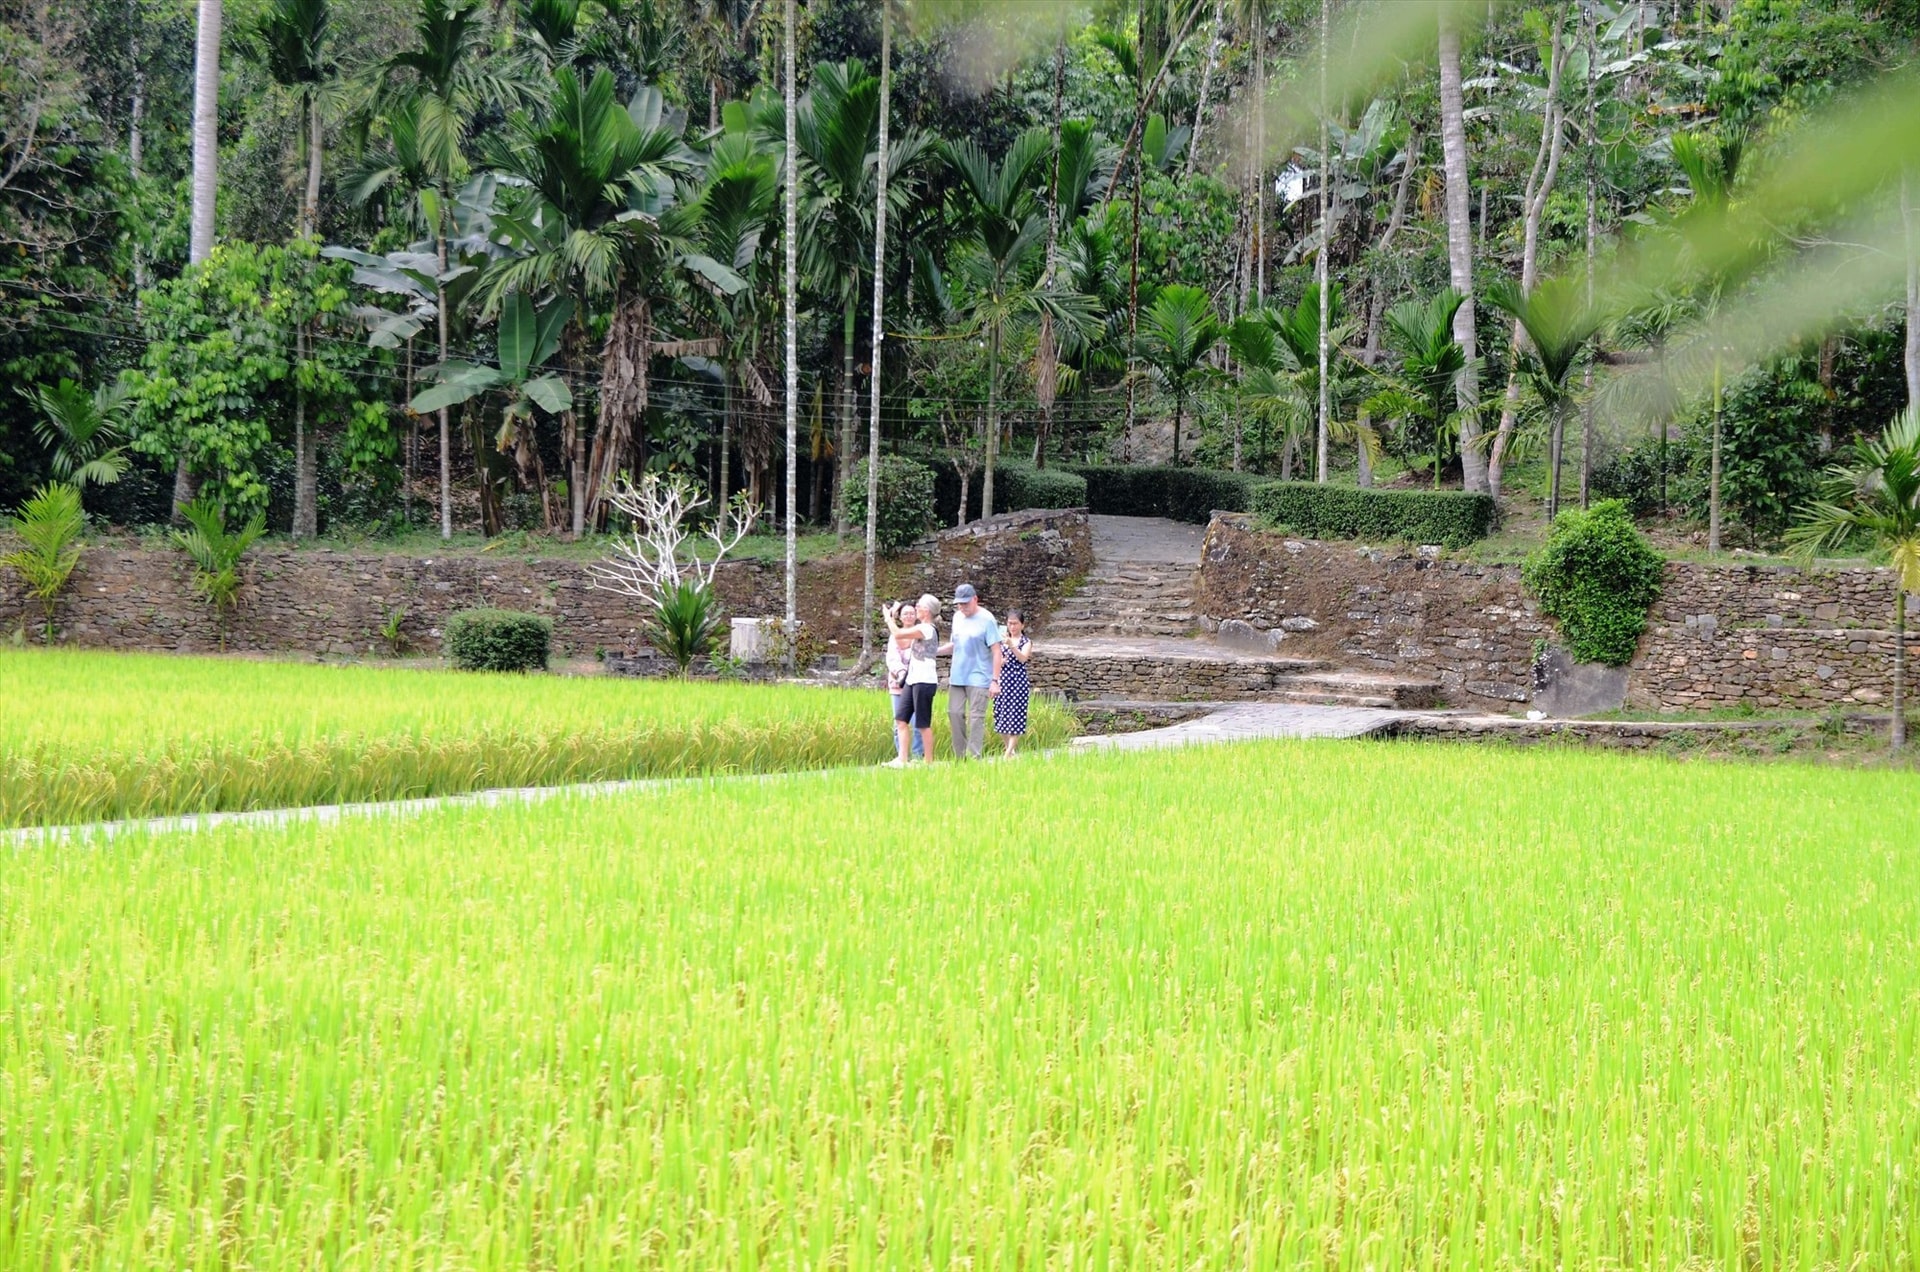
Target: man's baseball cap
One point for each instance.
(964, 593)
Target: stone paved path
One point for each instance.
(1246, 721)
(1148, 540)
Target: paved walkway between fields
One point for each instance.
(1247, 721)
(1146, 540)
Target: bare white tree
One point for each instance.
(654, 558)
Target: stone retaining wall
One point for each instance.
(1720, 635)
(1081, 675)
(335, 603)
(1407, 611)
(1768, 636)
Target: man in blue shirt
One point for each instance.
(975, 677)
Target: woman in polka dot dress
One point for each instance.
(1016, 686)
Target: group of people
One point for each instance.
(989, 664)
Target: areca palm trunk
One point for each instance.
(993, 419)
(446, 435)
(1911, 215)
(791, 287)
(1713, 472)
(1899, 665)
(1453, 139)
(206, 184)
(1320, 263)
(843, 462)
(879, 333)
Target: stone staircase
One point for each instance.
(1128, 599)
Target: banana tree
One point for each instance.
(527, 338)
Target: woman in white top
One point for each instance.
(897, 678)
(920, 641)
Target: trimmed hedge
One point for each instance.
(498, 640)
(1184, 494)
(1450, 518)
(1017, 486)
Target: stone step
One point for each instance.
(1360, 689)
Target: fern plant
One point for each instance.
(216, 553)
(48, 527)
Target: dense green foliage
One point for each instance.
(1018, 486)
(90, 736)
(615, 168)
(1598, 576)
(1185, 494)
(1449, 518)
(1580, 1011)
(497, 640)
(906, 502)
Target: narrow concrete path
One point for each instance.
(1246, 721)
(1146, 540)
(328, 813)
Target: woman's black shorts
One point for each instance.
(915, 706)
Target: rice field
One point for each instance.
(1335, 1005)
(88, 736)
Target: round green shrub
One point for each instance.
(906, 502)
(1598, 576)
(497, 640)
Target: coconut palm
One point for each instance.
(1177, 332)
(1559, 324)
(85, 434)
(290, 40)
(1431, 362)
(839, 135)
(736, 211)
(434, 90)
(604, 219)
(1877, 497)
(1280, 371)
(1006, 235)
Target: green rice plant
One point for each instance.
(48, 527)
(86, 736)
(1236, 1008)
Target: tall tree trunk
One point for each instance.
(1260, 159)
(1453, 140)
(1206, 87)
(206, 188)
(849, 410)
(1324, 414)
(1133, 268)
(1910, 209)
(136, 156)
(579, 481)
(1371, 353)
(993, 420)
(1713, 473)
(790, 286)
(306, 516)
(1046, 358)
(879, 332)
(1899, 665)
(723, 476)
(316, 153)
(1540, 182)
(1593, 235)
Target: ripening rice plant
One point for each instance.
(87, 736)
(1335, 1006)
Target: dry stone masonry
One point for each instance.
(335, 604)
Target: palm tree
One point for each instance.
(290, 40)
(1006, 233)
(1299, 342)
(1431, 362)
(1177, 332)
(1453, 139)
(1877, 496)
(84, 433)
(604, 220)
(1559, 323)
(839, 129)
(1711, 165)
(438, 87)
(790, 287)
(736, 211)
(867, 597)
(206, 184)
